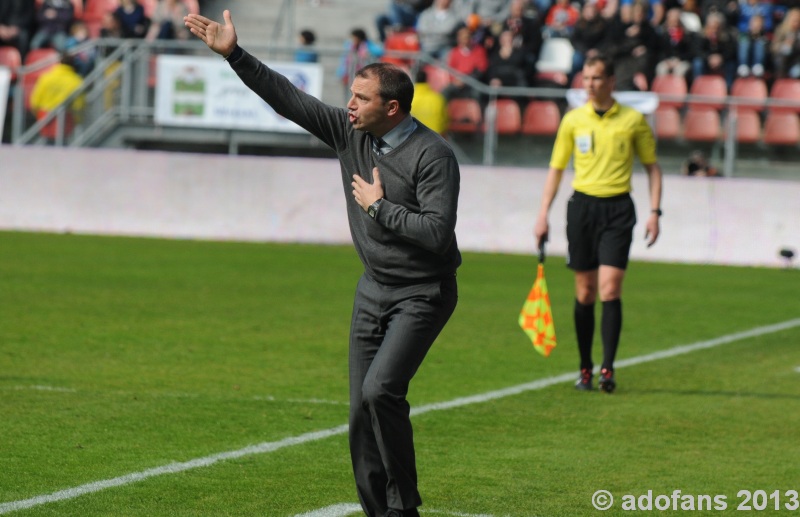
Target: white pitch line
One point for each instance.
(265, 447)
(337, 510)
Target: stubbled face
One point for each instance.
(597, 84)
(367, 109)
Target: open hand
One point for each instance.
(219, 38)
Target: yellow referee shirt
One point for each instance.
(603, 148)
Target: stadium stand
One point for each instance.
(405, 41)
(748, 126)
(701, 124)
(465, 115)
(753, 89)
(509, 117)
(672, 86)
(667, 123)
(45, 58)
(786, 90)
(712, 86)
(781, 128)
(541, 118)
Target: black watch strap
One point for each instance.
(657, 211)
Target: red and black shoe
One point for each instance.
(607, 382)
(584, 382)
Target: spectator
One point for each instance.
(675, 56)
(507, 63)
(654, 13)
(491, 12)
(305, 52)
(753, 48)
(359, 51)
(786, 46)
(526, 29)
(16, 17)
(436, 28)
(167, 22)
(54, 87)
(561, 18)
(633, 46)
(429, 106)
(83, 60)
(131, 19)
(112, 26)
(748, 9)
(588, 35)
(468, 58)
(402, 14)
(53, 20)
(715, 50)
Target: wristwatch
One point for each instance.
(373, 208)
(657, 211)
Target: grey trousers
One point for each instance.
(392, 329)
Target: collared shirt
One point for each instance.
(397, 135)
(603, 148)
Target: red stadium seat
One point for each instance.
(748, 126)
(781, 128)
(405, 41)
(509, 117)
(465, 115)
(11, 59)
(667, 123)
(786, 90)
(541, 118)
(701, 124)
(712, 87)
(673, 86)
(752, 90)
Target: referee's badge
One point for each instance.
(583, 143)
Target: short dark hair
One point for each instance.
(393, 83)
(607, 62)
(308, 37)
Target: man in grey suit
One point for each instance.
(401, 182)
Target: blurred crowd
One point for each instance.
(62, 25)
(500, 42)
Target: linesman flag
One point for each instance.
(536, 317)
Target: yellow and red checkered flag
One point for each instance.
(536, 317)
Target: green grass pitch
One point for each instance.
(119, 355)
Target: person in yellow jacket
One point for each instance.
(52, 88)
(601, 137)
(429, 106)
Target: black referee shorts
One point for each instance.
(599, 231)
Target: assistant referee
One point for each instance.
(602, 136)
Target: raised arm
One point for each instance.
(221, 39)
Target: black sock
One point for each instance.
(584, 329)
(610, 329)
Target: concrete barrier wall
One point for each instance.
(175, 195)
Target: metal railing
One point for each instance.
(120, 92)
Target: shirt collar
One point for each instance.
(399, 133)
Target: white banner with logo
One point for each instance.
(206, 92)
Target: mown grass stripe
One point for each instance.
(267, 447)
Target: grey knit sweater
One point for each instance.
(412, 239)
